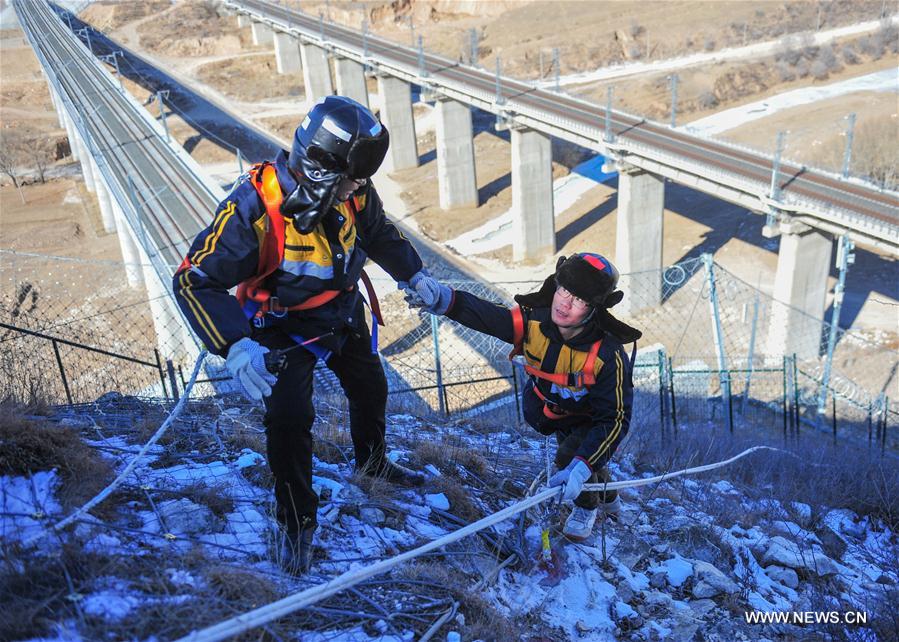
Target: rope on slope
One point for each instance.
(280, 608)
(103, 494)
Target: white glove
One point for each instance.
(572, 478)
(246, 363)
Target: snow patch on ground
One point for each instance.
(880, 81)
(27, 503)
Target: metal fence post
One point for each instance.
(435, 337)
(170, 368)
(165, 124)
(847, 154)
(165, 392)
(499, 87)
(673, 403)
(556, 66)
(785, 403)
(661, 364)
(845, 258)
(796, 395)
(674, 80)
(607, 134)
(518, 414)
(422, 72)
(775, 167)
(723, 373)
(752, 333)
(62, 372)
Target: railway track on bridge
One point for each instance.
(826, 198)
(172, 202)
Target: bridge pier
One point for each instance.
(350, 77)
(316, 73)
(86, 159)
(533, 219)
(70, 134)
(800, 285)
(455, 155)
(243, 20)
(396, 114)
(105, 202)
(262, 33)
(166, 318)
(57, 104)
(129, 246)
(287, 53)
(638, 238)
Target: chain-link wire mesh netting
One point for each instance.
(712, 349)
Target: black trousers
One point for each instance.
(290, 413)
(568, 440)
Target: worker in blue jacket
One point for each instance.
(293, 236)
(580, 387)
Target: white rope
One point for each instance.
(686, 471)
(103, 494)
(264, 614)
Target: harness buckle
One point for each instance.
(278, 314)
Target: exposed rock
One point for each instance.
(702, 607)
(785, 576)
(711, 581)
(658, 580)
(372, 515)
(786, 553)
(184, 517)
(624, 592)
(793, 531)
(832, 542)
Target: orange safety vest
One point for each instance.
(264, 178)
(583, 378)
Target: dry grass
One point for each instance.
(810, 471)
(32, 444)
(435, 454)
(461, 504)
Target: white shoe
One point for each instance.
(579, 524)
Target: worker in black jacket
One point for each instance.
(293, 236)
(580, 387)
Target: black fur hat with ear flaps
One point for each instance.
(590, 277)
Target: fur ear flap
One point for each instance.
(543, 298)
(624, 332)
(613, 298)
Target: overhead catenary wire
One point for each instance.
(285, 606)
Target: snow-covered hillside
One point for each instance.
(188, 540)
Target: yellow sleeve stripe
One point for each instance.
(199, 313)
(217, 226)
(619, 417)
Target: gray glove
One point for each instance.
(246, 363)
(441, 296)
(426, 287)
(572, 478)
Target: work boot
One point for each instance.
(394, 473)
(296, 552)
(579, 524)
(611, 510)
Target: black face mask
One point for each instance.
(312, 198)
